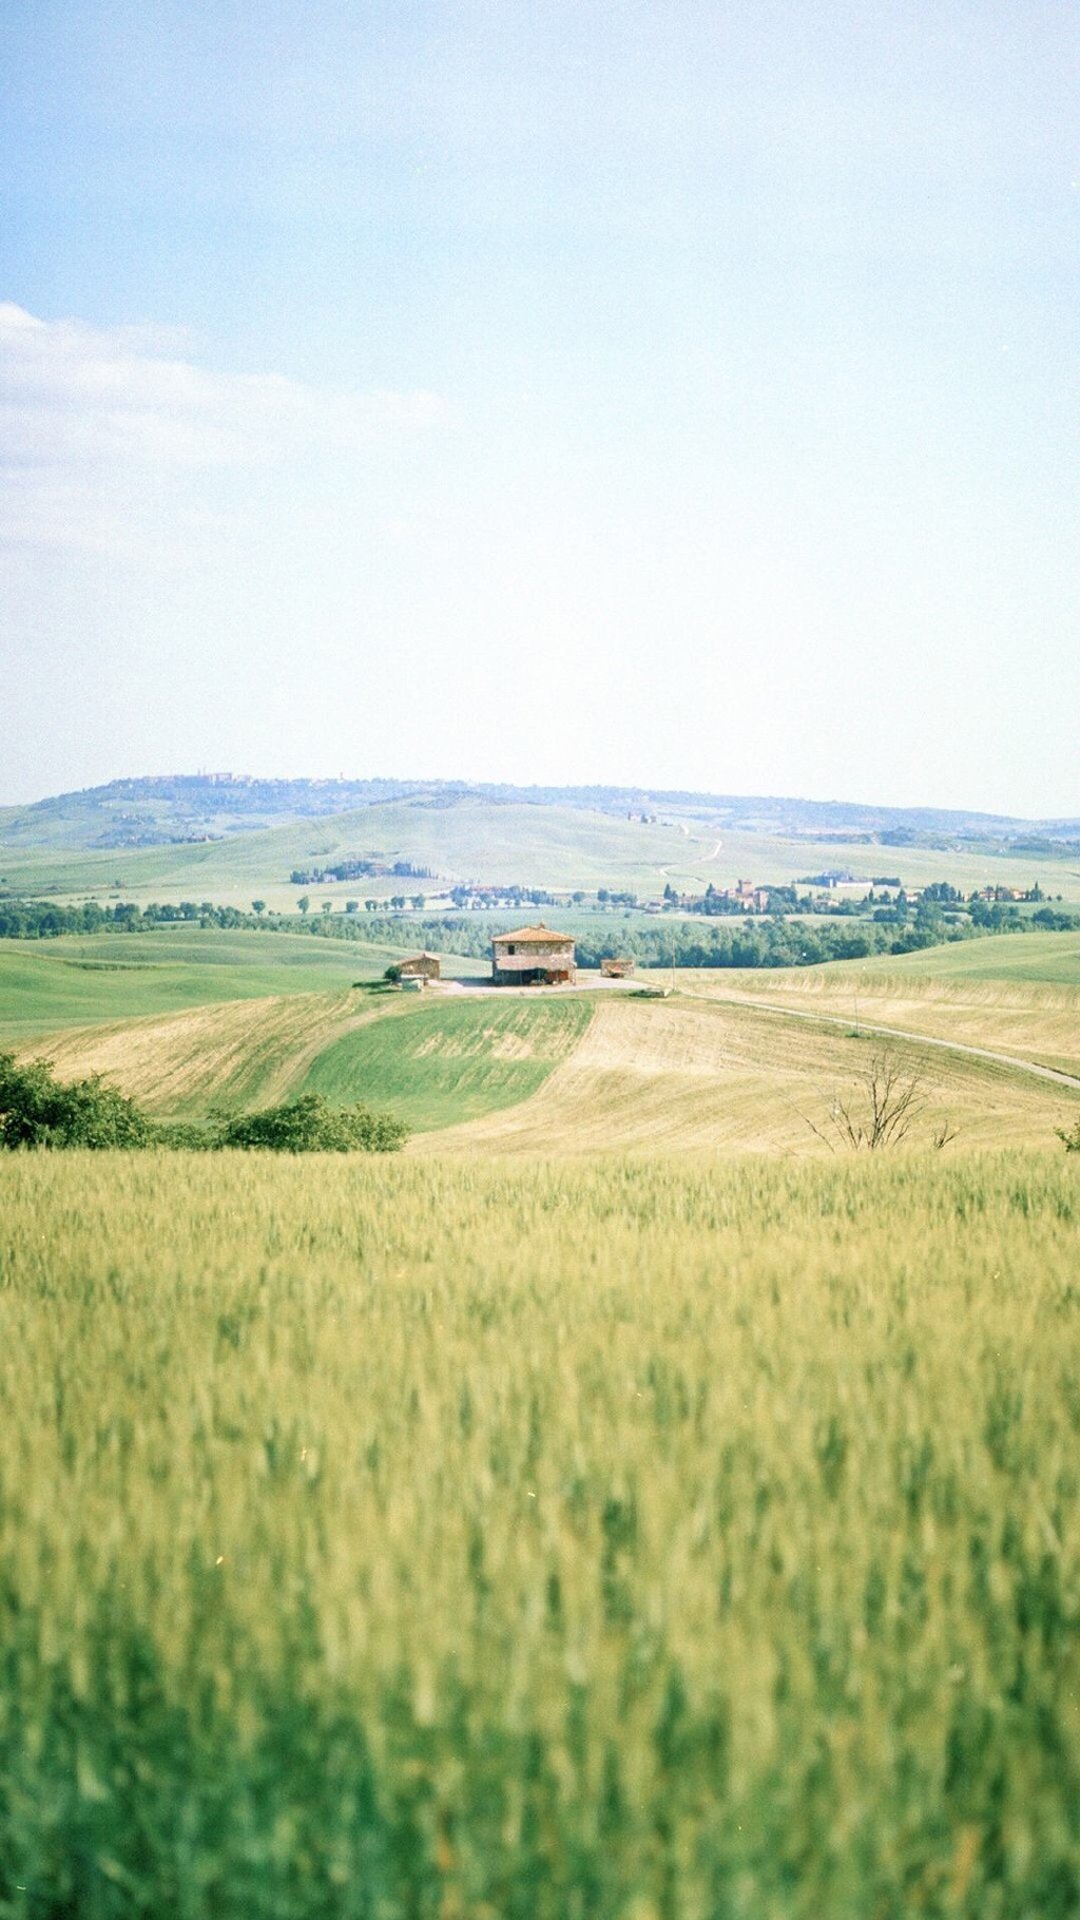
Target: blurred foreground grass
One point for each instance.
(642, 1539)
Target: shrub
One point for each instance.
(1072, 1140)
(310, 1124)
(36, 1111)
(186, 1134)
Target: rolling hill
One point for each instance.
(159, 809)
(75, 981)
(566, 1074)
(223, 837)
(465, 837)
(1015, 995)
(680, 1076)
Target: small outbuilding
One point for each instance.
(421, 966)
(616, 969)
(533, 957)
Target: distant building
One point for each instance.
(421, 966)
(533, 957)
(616, 969)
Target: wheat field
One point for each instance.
(687, 1074)
(1015, 994)
(531, 1540)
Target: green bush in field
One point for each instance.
(310, 1124)
(1072, 1140)
(36, 1111)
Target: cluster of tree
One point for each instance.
(310, 1124)
(358, 869)
(36, 1110)
(46, 919)
(899, 927)
(1055, 920)
(749, 943)
(498, 896)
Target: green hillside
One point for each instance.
(1051, 959)
(432, 1062)
(466, 838)
(46, 985)
(451, 1060)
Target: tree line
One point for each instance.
(751, 941)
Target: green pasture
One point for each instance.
(398, 1540)
(1024, 959)
(438, 1064)
(1038, 959)
(551, 846)
(76, 980)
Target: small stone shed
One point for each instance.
(533, 957)
(422, 966)
(616, 969)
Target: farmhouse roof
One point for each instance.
(541, 936)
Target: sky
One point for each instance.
(649, 392)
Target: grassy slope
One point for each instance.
(471, 839)
(467, 840)
(431, 1062)
(451, 1060)
(539, 1540)
(1014, 993)
(49, 984)
(233, 1054)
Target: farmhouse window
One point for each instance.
(511, 949)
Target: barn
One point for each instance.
(421, 966)
(616, 968)
(533, 957)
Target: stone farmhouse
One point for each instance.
(533, 957)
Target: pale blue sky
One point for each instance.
(674, 394)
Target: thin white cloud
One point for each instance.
(94, 422)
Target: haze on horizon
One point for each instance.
(669, 394)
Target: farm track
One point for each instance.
(851, 1023)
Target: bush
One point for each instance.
(311, 1125)
(184, 1134)
(1072, 1140)
(35, 1111)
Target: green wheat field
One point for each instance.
(528, 1539)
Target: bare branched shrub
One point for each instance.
(888, 1099)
